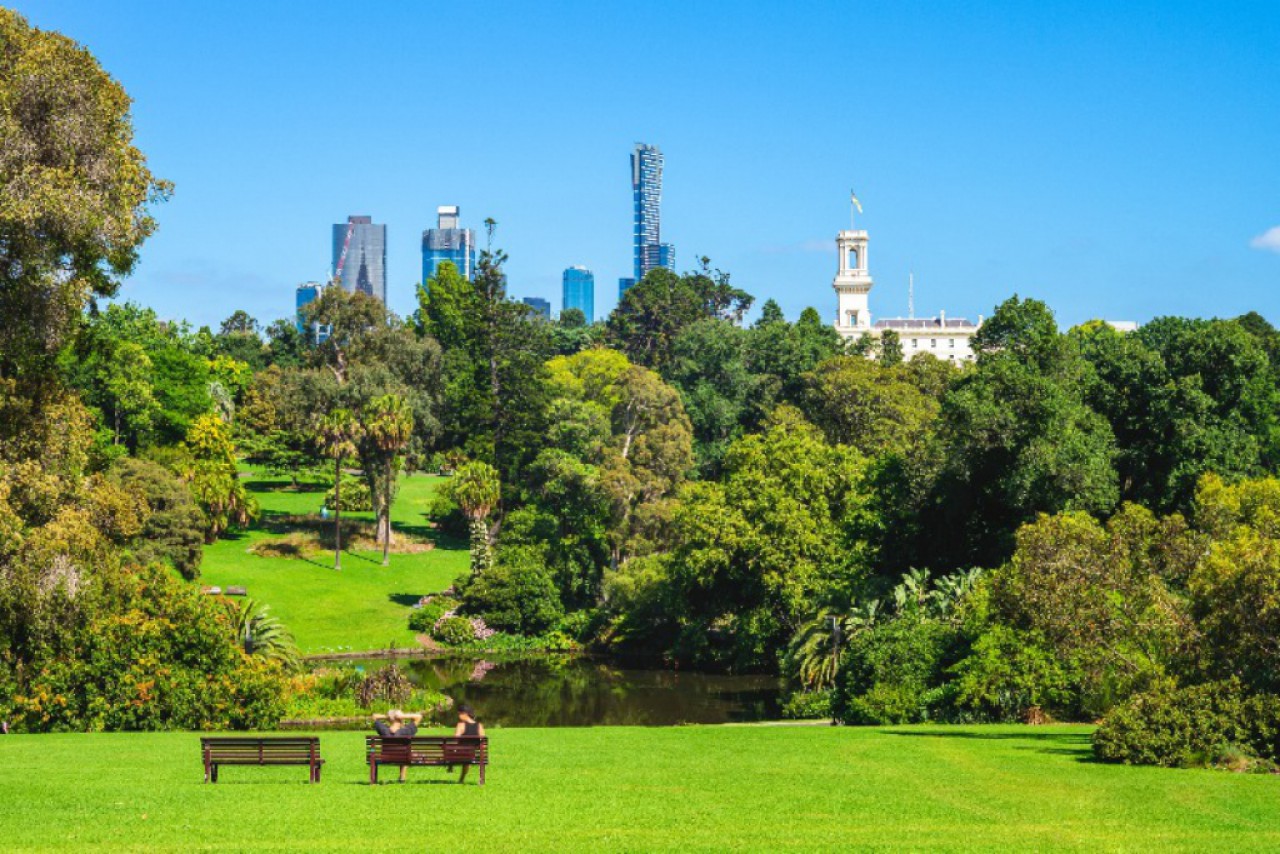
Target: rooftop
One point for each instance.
(941, 322)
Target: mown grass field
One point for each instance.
(365, 606)
(761, 788)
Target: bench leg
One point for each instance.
(206, 771)
(373, 772)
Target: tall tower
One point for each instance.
(646, 191)
(448, 241)
(580, 291)
(360, 256)
(852, 283)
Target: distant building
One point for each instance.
(646, 191)
(941, 336)
(360, 256)
(579, 291)
(538, 304)
(448, 242)
(624, 285)
(309, 292)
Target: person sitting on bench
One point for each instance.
(468, 726)
(396, 724)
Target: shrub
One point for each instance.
(517, 595)
(888, 672)
(1209, 724)
(454, 631)
(1008, 673)
(388, 685)
(355, 495)
(173, 530)
(429, 612)
(808, 705)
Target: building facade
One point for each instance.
(307, 293)
(946, 338)
(646, 191)
(579, 291)
(360, 256)
(540, 305)
(448, 241)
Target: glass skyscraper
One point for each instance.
(646, 191)
(360, 256)
(309, 292)
(539, 305)
(580, 291)
(448, 242)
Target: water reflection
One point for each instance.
(548, 691)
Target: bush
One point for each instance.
(517, 595)
(808, 705)
(355, 495)
(1007, 673)
(429, 612)
(454, 631)
(888, 673)
(173, 530)
(1209, 724)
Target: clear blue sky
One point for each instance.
(1113, 159)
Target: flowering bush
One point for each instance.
(454, 631)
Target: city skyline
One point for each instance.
(360, 256)
(448, 241)
(578, 290)
(1110, 161)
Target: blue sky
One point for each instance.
(1117, 160)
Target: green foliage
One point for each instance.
(214, 480)
(173, 527)
(262, 635)
(867, 405)
(454, 631)
(386, 685)
(355, 495)
(889, 671)
(517, 595)
(807, 705)
(425, 617)
(1193, 726)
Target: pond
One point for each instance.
(573, 690)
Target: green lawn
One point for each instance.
(681, 788)
(364, 607)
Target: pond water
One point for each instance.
(564, 690)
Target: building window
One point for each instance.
(951, 343)
(933, 342)
(915, 342)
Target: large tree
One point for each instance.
(74, 192)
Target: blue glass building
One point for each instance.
(579, 291)
(538, 304)
(646, 191)
(309, 292)
(448, 242)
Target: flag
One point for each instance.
(853, 198)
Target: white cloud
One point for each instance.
(1268, 241)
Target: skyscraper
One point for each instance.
(580, 291)
(539, 305)
(646, 191)
(360, 256)
(309, 292)
(448, 242)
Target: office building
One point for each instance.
(448, 242)
(646, 191)
(624, 285)
(579, 291)
(538, 304)
(307, 293)
(360, 256)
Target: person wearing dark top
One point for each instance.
(468, 726)
(396, 724)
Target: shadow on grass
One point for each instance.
(285, 487)
(1075, 744)
(406, 599)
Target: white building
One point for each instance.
(943, 337)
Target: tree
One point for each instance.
(890, 349)
(214, 480)
(658, 307)
(476, 488)
(173, 526)
(867, 405)
(338, 435)
(708, 365)
(388, 427)
(77, 193)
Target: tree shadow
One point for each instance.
(406, 599)
(1075, 744)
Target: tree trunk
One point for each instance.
(337, 514)
(480, 554)
(384, 524)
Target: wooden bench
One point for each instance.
(274, 750)
(445, 751)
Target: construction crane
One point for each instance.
(346, 244)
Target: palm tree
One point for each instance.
(388, 429)
(337, 435)
(476, 488)
(260, 634)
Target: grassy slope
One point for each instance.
(365, 606)
(687, 788)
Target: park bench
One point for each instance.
(445, 751)
(274, 750)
